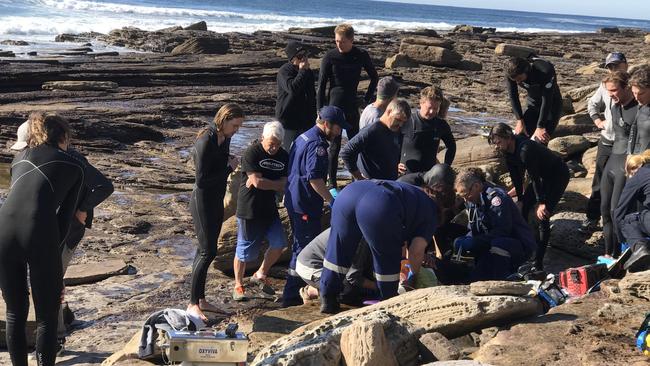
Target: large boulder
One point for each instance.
(593, 68)
(200, 26)
(506, 49)
(431, 55)
(430, 41)
(435, 346)
(476, 152)
(582, 93)
(449, 310)
(80, 274)
(464, 28)
(574, 124)
(589, 160)
(203, 45)
(647, 39)
(399, 60)
(327, 31)
(364, 343)
(569, 145)
(609, 30)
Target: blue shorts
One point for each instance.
(251, 233)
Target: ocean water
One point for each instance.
(42, 20)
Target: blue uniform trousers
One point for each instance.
(498, 260)
(372, 211)
(305, 229)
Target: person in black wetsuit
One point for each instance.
(634, 223)
(423, 132)
(640, 133)
(544, 101)
(374, 152)
(295, 106)
(623, 108)
(548, 173)
(341, 68)
(46, 183)
(213, 165)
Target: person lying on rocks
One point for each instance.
(543, 101)
(548, 173)
(386, 214)
(634, 223)
(500, 240)
(423, 133)
(96, 189)
(213, 164)
(374, 152)
(264, 172)
(359, 280)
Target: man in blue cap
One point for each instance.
(499, 239)
(306, 189)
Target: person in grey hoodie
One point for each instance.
(599, 108)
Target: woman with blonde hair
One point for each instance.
(46, 184)
(213, 164)
(634, 224)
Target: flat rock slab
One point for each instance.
(80, 85)
(81, 274)
(594, 330)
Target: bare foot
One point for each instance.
(196, 310)
(204, 305)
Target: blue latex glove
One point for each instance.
(463, 244)
(334, 192)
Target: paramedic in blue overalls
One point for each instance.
(306, 189)
(387, 215)
(499, 239)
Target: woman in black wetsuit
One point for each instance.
(624, 108)
(35, 219)
(213, 164)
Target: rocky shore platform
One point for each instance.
(136, 114)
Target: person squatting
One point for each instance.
(401, 205)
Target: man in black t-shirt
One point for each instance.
(264, 170)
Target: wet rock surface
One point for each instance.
(140, 132)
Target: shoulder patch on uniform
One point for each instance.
(321, 151)
(496, 201)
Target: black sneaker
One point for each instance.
(639, 260)
(296, 301)
(588, 225)
(329, 305)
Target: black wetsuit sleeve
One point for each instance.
(291, 82)
(517, 178)
(548, 88)
(515, 103)
(353, 148)
(324, 75)
(450, 143)
(374, 77)
(531, 164)
(68, 207)
(98, 188)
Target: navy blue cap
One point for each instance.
(333, 114)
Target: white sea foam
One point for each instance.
(74, 16)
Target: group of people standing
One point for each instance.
(620, 107)
(399, 207)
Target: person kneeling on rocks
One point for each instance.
(359, 280)
(635, 226)
(499, 238)
(264, 172)
(386, 214)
